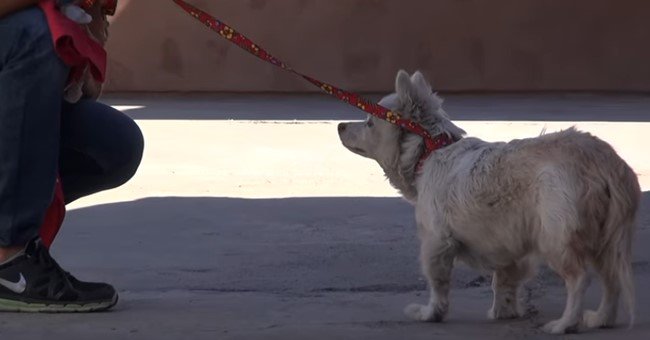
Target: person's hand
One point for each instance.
(98, 28)
(91, 88)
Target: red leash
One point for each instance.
(227, 32)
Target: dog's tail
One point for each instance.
(616, 256)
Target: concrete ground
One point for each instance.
(249, 220)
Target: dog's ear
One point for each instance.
(425, 99)
(415, 95)
(421, 84)
(413, 90)
(404, 87)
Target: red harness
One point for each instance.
(227, 32)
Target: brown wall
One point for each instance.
(461, 45)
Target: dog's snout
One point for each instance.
(342, 127)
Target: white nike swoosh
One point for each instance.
(16, 287)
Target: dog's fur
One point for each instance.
(565, 198)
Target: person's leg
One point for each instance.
(32, 78)
(101, 148)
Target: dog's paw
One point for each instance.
(419, 312)
(592, 319)
(559, 327)
(503, 312)
(426, 313)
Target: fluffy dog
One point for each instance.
(564, 198)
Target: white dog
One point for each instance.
(565, 198)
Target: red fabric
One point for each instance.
(54, 216)
(73, 44)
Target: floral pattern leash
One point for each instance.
(230, 34)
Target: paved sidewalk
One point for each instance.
(249, 220)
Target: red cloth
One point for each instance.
(54, 216)
(73, 44)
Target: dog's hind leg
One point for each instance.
(614, 264)
(606, 314)
(615, 269)
(437, 259)
(574, 272)
(505, 285)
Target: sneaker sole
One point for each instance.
(25, 307)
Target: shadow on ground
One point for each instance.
(294, 245)
(297, 245)
(299, 268)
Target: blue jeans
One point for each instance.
(92, 146)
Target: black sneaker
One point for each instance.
(34, 282)
(89, 286)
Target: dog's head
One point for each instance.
(389, 144)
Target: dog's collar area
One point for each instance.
(432, 144)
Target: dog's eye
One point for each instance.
(370, 123)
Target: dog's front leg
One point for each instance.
(437, 259)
